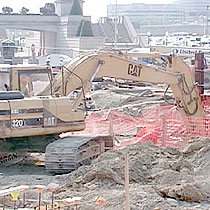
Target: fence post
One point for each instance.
(111, 130)
(126, 169)
(163, 142)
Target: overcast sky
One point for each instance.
(93, 8)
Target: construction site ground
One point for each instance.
(160, 178)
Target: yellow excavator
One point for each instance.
(47, 111)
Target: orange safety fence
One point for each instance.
(163, 125)
(113, 121)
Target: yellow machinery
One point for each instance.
(48, 110)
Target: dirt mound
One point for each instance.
(147, 165)
(165, 177)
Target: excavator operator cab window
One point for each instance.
(24, 84)
(4, 79)
(32, 82)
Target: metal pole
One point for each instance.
(52, 199)
(199, 71)
(4, 203)
(41, 43)
(39, 200)
(207, 19)
(127, 202)
(115, 38)
(24, 199)
(14, 204)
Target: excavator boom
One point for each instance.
(82, 69)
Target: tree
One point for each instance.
(48, 9)
(7, 10)
(24, 11)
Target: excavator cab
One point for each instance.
(29, 80)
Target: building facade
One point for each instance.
(180, 11)
(67, 31)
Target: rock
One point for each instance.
(100, 173)
(198, 207)
(169, 177)
(180, 164)
(189, 148)
(173, 202)
(183, 192)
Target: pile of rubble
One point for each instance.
(160, 178)
(133, 100)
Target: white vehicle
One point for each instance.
(54, 60)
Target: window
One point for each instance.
(4, 79)
(32, 82)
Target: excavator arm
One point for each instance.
(82, 69)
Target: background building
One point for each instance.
(61, 28)
(178, 12)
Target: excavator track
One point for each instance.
(12, 150)
(67, 154)
(8, 158)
